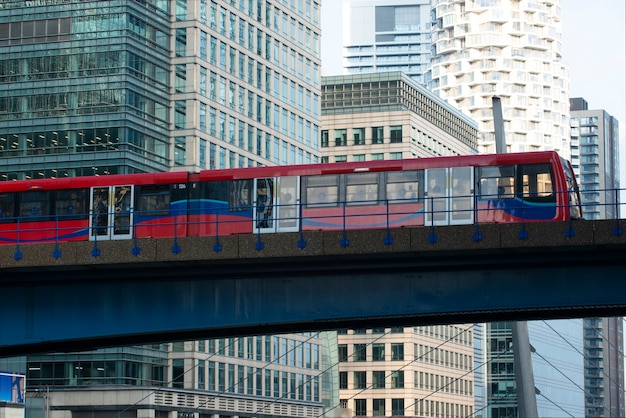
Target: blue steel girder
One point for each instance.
(93, 305)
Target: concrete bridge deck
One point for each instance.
(152, 290)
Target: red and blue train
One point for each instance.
(504, 188)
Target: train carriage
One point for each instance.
(504, 188)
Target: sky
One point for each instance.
(593, 47)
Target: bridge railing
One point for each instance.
(346, 215)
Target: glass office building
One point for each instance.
(123, 86)
(84, 88)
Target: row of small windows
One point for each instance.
(92, 100)
(237, 378)
(269, 349)
(309, 9)
(377, 135)
(377, 380)
(213, 156)
(60, 141)
(96, 23)
(395, 352)
(419, 407)
(451, 333)
(380, 379)
(376, 156)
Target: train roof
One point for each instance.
(278, 171)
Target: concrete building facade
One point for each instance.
(407, 371)
(389, 116)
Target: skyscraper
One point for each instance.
(387, 35)
(92, 87)
(604, 367)
(509, 49)
(595, 158)
(246, 83)
(84, 88)
(123, 86)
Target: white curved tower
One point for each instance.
(510, 49)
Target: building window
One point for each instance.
(324, 138)
(180, 150)
(360, 381)
(378, 135)
(378, 380)
(378, 352)
(378, 156)
(395, 155)
(397, 379)
(359, 352)
(397, 351)
(360, 407)
(342, 351)
(396, 134)
(359, 136)
(397, 407)
(343, 380)
(378, 407)
(341, 158)
(341, 137)
(358, 157)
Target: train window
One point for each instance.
(7, 206)
(537, 182)
(322, 191)
(239, 196)
(402, 187)
(361, 189)
(154, 200)
(34, 204)
(71, 204)
(496, 182)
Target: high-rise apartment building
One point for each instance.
(407, 371)
(387, 35)
(595, 158)
(92, 87)
(510, 49)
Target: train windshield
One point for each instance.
(575, 210)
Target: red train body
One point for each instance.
(522, 187)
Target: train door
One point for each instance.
(276, 201)
(449, 196)
(111, 212)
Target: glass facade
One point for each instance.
(83, 90)
(92, 88)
